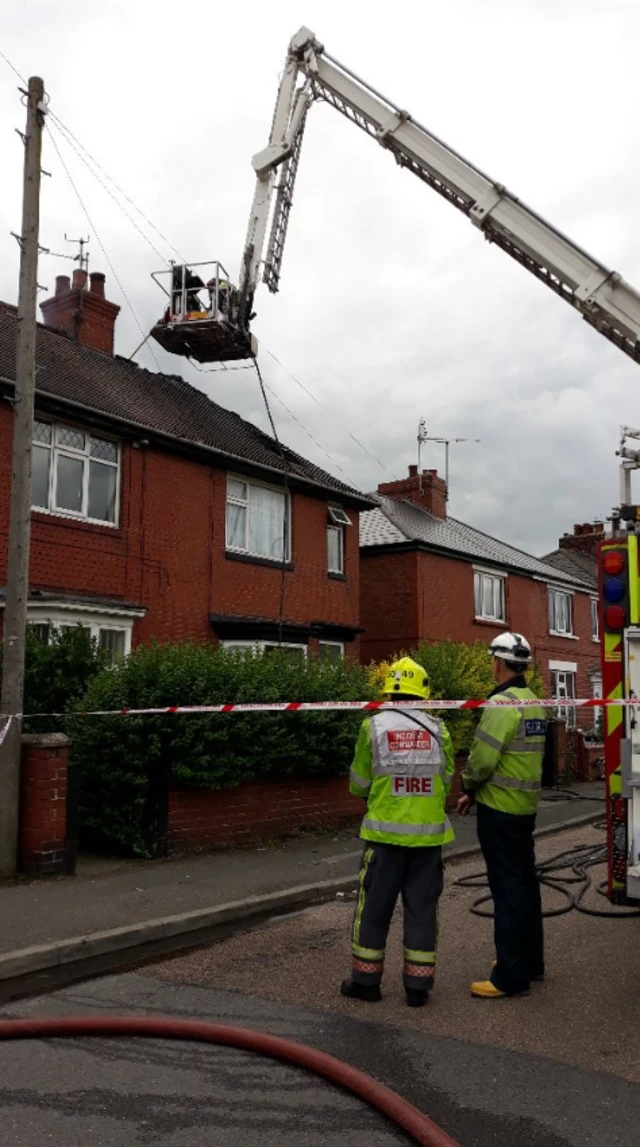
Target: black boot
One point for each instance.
(416, 998)
(354, 991)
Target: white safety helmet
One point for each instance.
(511, 647)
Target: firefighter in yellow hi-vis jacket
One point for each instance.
(504, 776)
(403, 767)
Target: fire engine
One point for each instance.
(208, 319)
(619, 586)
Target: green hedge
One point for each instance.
(125, 763)
(57, 674)
(461, 671)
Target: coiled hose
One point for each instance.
(575, 864)
(422, 1129)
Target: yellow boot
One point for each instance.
(485, 990)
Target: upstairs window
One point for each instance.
(560, 613)
(337, 520)
(489, 596)
(257, 521)
(75, 474)
(595, 619)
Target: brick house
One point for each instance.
(425, 577)
(577, 554)
(157, 513)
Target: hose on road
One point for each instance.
(422, 1129)
(566, 872)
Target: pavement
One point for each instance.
(124, 906)
(555, 1069)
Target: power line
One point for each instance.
(121, 190)
(102, 246)
(309, 434)
(328, 413)
(13, 68)
(285, 520)
(78, 148)
(111, 195)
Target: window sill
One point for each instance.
(249, 559)
(72, 519)
(566, 636)
(335, 576)
(495, 622)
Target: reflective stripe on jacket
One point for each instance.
(504, 769)
(403, 766)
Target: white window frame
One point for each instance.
(339, 533)
(554, 590)
(262, 646)
(339, 645)
(57, 451)
(479, 574)
(596, 692)
(245, 502)
(59, 615)
(567, 671)
(337, 520)
(595, 619)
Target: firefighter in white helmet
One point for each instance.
(403, 767)
(504, 774)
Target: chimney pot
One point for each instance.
(97, 283)
(83, 312)
(413, 471)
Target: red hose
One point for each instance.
(404, 1114)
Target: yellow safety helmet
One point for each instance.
(406, 676)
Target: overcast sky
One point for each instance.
(391, 307)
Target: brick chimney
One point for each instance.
(432, 497)
(584, 538)
(82, 311)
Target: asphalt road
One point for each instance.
(131, 1093)
(558, 1069)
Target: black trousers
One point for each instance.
(508, 849)
(417, 875)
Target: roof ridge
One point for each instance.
(117, 388)
(551, 570)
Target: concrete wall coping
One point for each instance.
(45, 740)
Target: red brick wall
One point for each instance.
(412, 597)
(389, 604)
(43, 804)
(168, 552)
(254, 811)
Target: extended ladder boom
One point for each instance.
(601, 296)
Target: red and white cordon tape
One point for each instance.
(337, 706)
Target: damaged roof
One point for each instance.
(119, 390)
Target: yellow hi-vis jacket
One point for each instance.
(403, 766)
(504, 770)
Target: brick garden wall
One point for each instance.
(43, 805)
(257, 811)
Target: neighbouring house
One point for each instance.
(158, 513)
(577, 554)
(425, 577)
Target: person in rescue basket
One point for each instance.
(504, 775)
(403, 767)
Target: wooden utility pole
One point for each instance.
(15, 613)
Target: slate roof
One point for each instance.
(584, 566)
(119, 389)
(399, 522)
